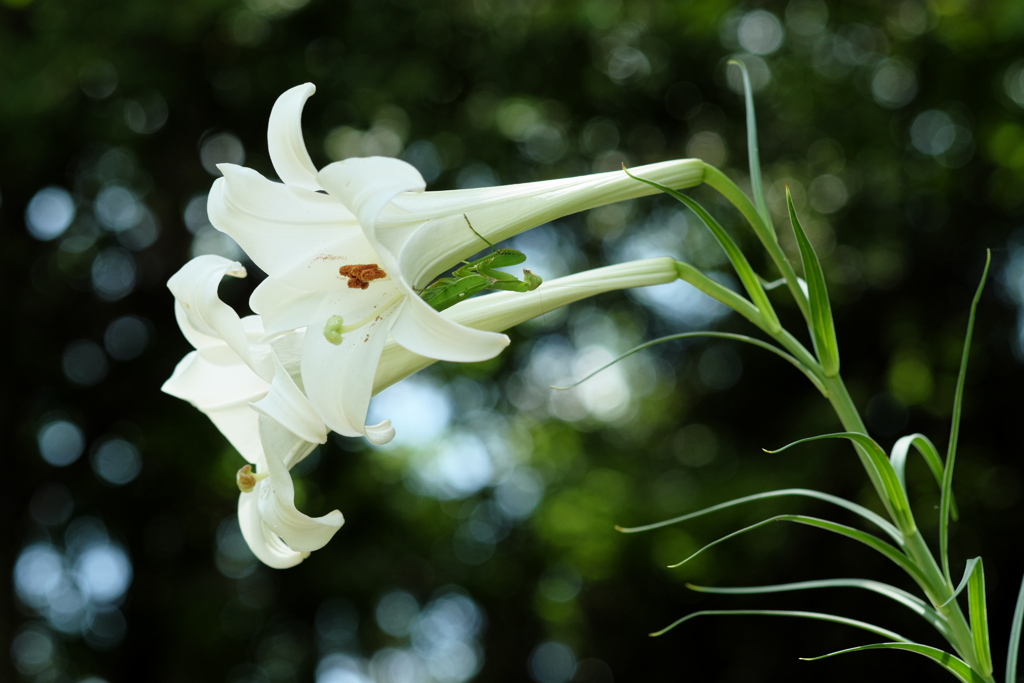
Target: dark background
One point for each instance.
(899, 127)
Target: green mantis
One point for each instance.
(476, 276)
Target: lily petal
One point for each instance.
(283, 307)
(264, 543)
(277, 493)
(423, 330)
(367, 185)
(380, 434)
(288, 406)
(284, 139)
(223, 393)
(293, 234)
(338, 379)
(194, 287)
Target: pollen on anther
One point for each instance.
(360, 275)
(245, 479)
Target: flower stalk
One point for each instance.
(967, 634)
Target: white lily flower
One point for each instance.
(248, 391)
(271, 422)
(348, 265)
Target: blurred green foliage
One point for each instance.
(898, 127)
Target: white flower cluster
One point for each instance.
(347, 249)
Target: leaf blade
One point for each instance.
(950, 663)
(704, 333)
(873, 542)
(923, 445)
(753, 155)
(979, 617)
(823, 329)
(912, 602)
(751, 281)
(893, 494)
(877, 630)
(863, 512)
(947, 479)
(1015, 630)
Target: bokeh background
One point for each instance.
(480, 545)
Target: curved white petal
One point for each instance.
(211, 386)
(223, 394)
(293, 234)
(366, 186)
(283, 307)
(423, 330)
(194, 288)
(339, 379)
(288, 350)
(287, 405)
(264, 543)
(288, 150)
(380, 434)
(277, 494)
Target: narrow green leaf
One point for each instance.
(963, 581)
(764, 231)
(867, 539)
(1015, 631)
(863, 512)
(877, 630)
(756, 183)
(912, 602)
(947, 480)
(751, 282)
(719, 335)
(924, 446)
(979, 618)
(823, 330)
(950, 663)
(894, 496)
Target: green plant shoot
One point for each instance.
(476, 276)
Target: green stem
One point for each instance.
(935, 584)
(938, 589)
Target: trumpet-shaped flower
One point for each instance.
(349, 247)
(269, 420)
(248, 391)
